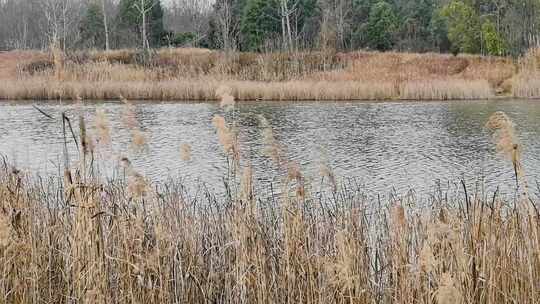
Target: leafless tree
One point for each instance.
(143, 8)
(60, 16)
(288, 9)
(227, 25)
(105, 24)
(189, 16)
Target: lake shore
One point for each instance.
(196, 75)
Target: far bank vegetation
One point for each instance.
(195, 74)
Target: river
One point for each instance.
(382, 146)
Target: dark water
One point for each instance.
(399, 145)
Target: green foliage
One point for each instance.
(382, 25)
(414, 26)
(493, 41)
(182, 39)
(439, 32)
(260, 22)
(463, 26)
(91, 27)
(130, 21)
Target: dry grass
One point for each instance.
(196, 74)
(526, 84)
(196, 90)
(92, 240)
(452, 89)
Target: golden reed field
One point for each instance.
(196, 74)
(84, 238)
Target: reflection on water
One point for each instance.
(399, 145)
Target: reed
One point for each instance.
(526, 84)
(196, 74)
(451, 89)
(197, 90)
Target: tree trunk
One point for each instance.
(143, 13)
(105, 24)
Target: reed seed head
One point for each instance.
(185, 152)
(103, 127)
(226, 97)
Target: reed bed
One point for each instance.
(447, 90)
(275, 76)
(125, 241)
(201, 90)
(526, 84)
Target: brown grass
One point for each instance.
(526, 84)
(196, 74)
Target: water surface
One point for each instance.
(383, 146)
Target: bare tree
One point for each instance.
(105, 24)
(227, 24)
(287, 9)
(60, 15)
(143, 8)
(189, 16)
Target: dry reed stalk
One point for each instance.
(326, 172)
(138, 186)
(138, 140)
(526, 85)
(447, 292)
(185, 152)
(227, 99)
(504, 136)
(103, 127)
(58, 61)
(227, 138)
(291, 247)
(447, 89)
(129, 117)
(272, 148)
(5, 231)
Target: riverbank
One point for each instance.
(196, 74)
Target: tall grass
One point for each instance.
(178, 74)
(526, 84)
(197, 90)
(447, 90)
(84, 238)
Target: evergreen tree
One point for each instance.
(415, 21)
(91, 26)
(439, 32)
(260, 23)
(381, 26)
(463, 27)
(493, 42)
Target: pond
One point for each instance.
(382, 146)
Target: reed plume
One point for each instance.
(507, 143)
(224, 93)
(185, 152)
(138, 140)
(102, 127)
(447, 292)
(272, 149)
